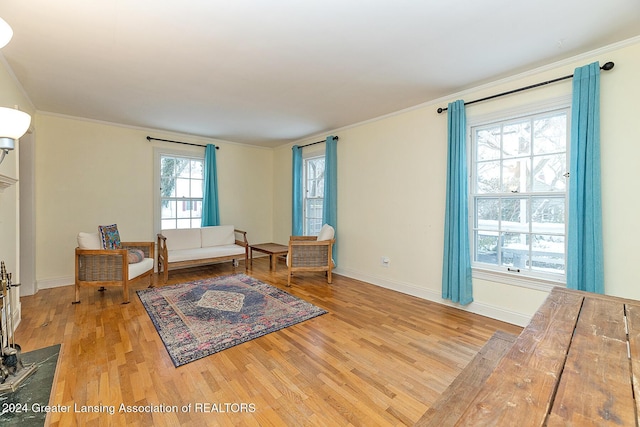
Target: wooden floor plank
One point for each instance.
(377, 358)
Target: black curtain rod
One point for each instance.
(178, 142)
(606, 67)
(317, 142)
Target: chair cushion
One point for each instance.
(326, 233)
(218, 235)
(184, 238)
(89, 240)
(110, 236)
(141, 267)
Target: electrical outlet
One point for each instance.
(385, 261)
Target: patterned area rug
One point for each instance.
(203, 317)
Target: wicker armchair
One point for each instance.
(308, 253)
(105, 267)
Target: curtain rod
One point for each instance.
(606, 67)
(178, 142)
(317, 142)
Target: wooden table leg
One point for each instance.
(274, 259)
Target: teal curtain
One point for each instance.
(456, 269)
(330, 201)
(296, 193)
(210, 209)
(585, 267)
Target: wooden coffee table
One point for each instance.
(274, 250)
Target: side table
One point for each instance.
(274, 250)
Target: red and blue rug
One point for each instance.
(200, 318)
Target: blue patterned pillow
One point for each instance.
(110, 236)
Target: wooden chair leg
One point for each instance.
(77, 300)
(125, 292)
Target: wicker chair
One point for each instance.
(308, 253)
(105, 267)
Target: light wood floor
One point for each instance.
(377, 358)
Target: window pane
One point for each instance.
(168, 209)
(516, 139)
(196, 169)
(548, 172)
(168, 187)
(488, 143)
(550, 134)
(548, 253)
(182, 187)
(515, 250)
(486, 247)
(196, 188)
(515, 175)
(488, 214)
(548, 215)
(514, 215)
(168, 224)
(488, 177)
(182, 168)
(167, 166)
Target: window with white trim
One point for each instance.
(181, 189)
(313, 194)
(518, 195)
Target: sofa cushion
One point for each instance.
(141, 267)
(204, 253)
(110, 236)
(326, 233)
(89, 240)
(218, 235)
(185, 238)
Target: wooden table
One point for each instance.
(274, 250)
(577, 363)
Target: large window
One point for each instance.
(180, 191)
(518, 195)
(313, 194)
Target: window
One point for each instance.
(313, 195)
(181, 181)
(518, 195)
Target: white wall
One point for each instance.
(391, 179)
(90, 174)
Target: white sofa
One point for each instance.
(198, 246)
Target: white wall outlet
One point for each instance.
(385, 261)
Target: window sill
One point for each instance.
(516, 279)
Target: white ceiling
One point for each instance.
(267, 72)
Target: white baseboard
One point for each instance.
(55, 283)
(482, 309)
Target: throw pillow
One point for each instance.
(134, 256)
(110, 236)
(89, 241)
(326, 233)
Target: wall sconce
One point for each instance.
(13, 124)
(5, 33)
